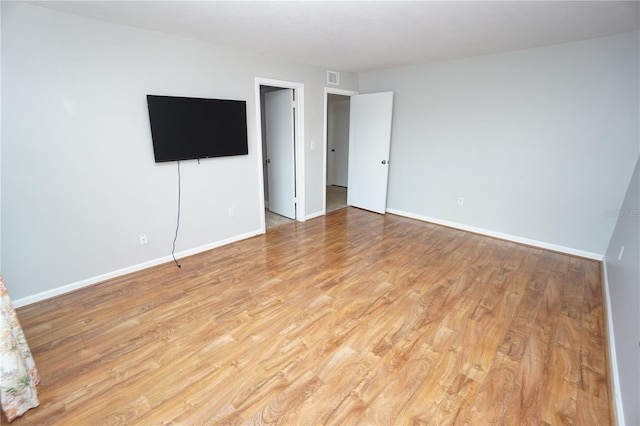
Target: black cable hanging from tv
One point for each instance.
(173, 249)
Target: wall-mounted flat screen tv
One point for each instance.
(192, 128)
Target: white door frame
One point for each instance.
(278, 115)
(298, 89)
(327, 91)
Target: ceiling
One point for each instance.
(364, 35)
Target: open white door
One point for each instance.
(279, 129)
(369, 145)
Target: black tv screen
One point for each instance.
(189, 128)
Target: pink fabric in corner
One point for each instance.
(18, 373)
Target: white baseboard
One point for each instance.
(103, 277)
(501, 236)
(613, 361)
(314, 215)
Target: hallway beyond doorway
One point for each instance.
(336, 199)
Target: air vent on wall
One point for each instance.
(333, 77)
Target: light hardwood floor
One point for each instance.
(336, 199)
(351, 318)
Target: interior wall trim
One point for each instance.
(299, 145)
(614, 387)
(500, 235)
(38, 297)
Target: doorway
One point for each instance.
(337, 106)
(369, 142)
(279, 114)
(337, 151)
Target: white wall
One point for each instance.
(623, 289)
(538, 142)
(79, 182)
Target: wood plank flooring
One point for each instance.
(351, 318)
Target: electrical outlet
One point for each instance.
(313, 145)
(460, 201)
(143, 239)
(232, 211)
(621, 251)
